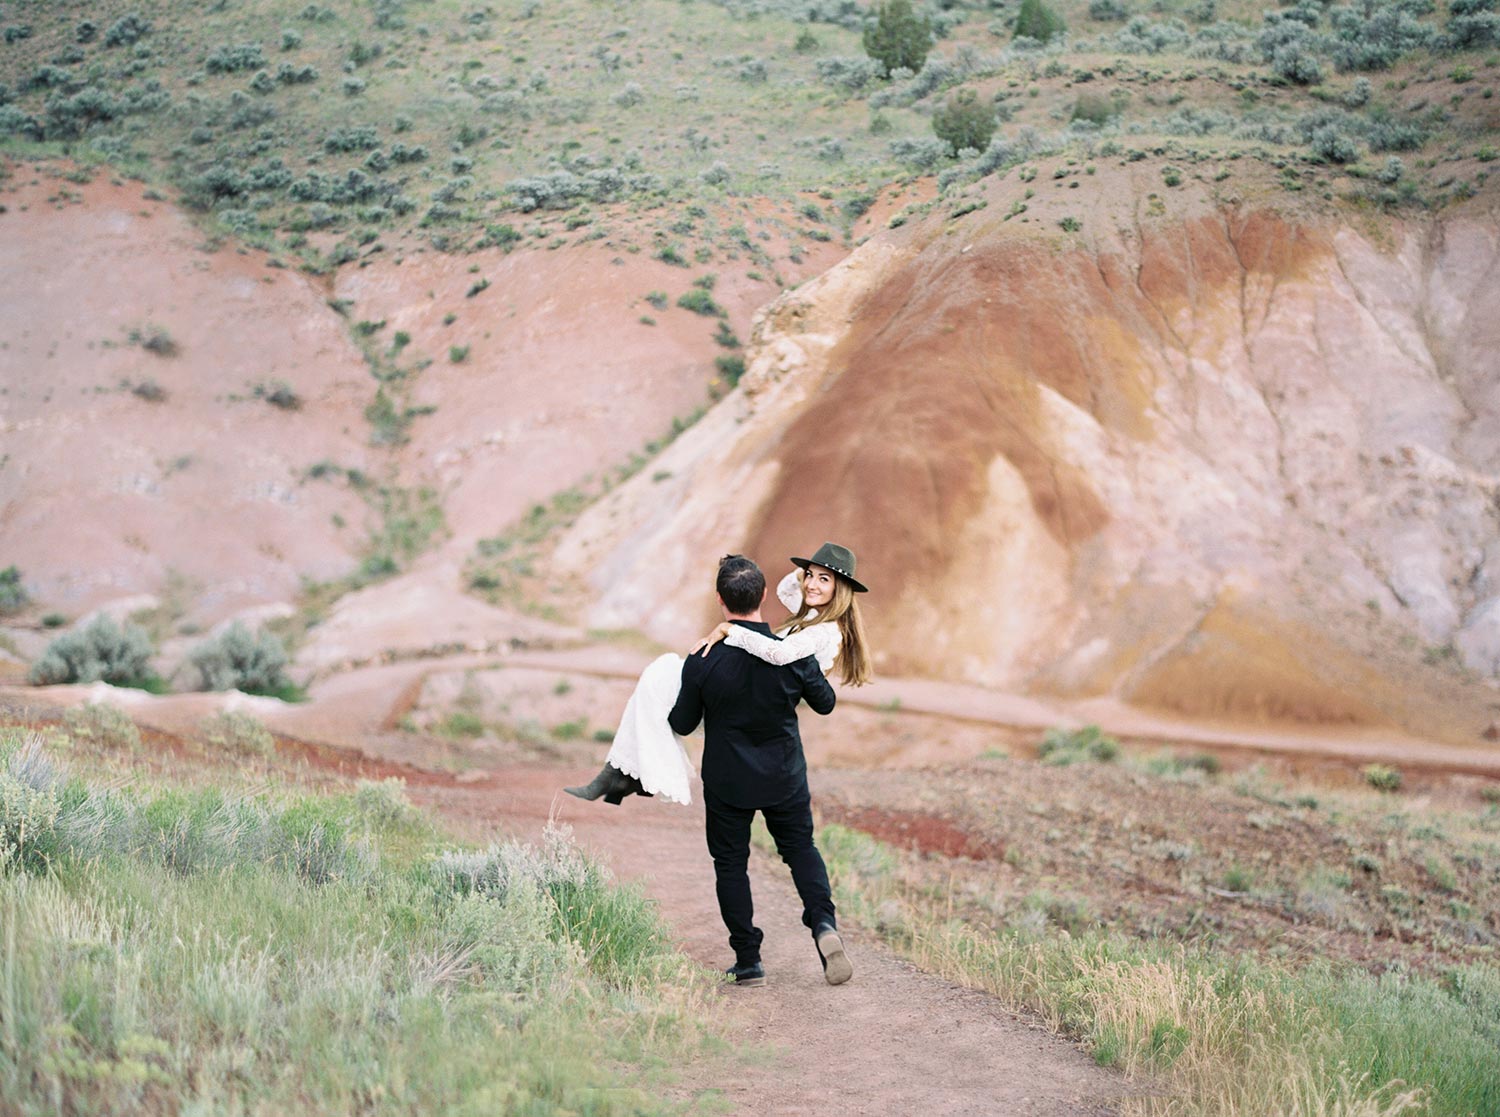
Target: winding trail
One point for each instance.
(892, 1041)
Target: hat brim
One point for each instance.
(855, 585)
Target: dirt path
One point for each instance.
(892, 1041)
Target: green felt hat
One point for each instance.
(838, 559)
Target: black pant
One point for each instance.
(791, 825)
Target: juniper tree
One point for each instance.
(965, 121)
(899, 38)
(1037, 21)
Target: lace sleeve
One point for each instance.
(789, 592)
(821, 640)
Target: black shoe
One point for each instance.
(612, 784)
(747, 975)
(837, 968)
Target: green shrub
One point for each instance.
(700, 301)
(235, 732)
(458, 354)
(1038, 21)
(1381, 777)
(154, 339)
(13, 595)
(235, 59)
(102, 652)
(383, 802)
(102, 725)
(731, 367)
(898, 38)
(127, 30)
(278, 393)
(965, 122)
(238, 660)
(1330, 145)
(1095, 108)
(29, 806)
(461, 723)
(1065, 746)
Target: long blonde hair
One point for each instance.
(853, 661)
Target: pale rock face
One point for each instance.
(1231, 419)
(1478, 642)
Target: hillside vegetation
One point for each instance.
(199, 943)
(327, 129)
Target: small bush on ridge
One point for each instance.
(235, 659)
(235, 732)
(1069, 746)
(102, 652)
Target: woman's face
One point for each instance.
(817, 586)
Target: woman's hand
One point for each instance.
(703, 646)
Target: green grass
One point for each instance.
(1220, 1034)
(167, 950)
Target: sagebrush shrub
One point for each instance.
(383, 802)
(102, 724)
(235, 732)
(848, 74)
(239, 660)
(29, 805)
(232, 59)
(923, 154)
(101, 652)
(127, 30)
(1373, 35)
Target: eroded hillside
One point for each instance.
(1228, 463)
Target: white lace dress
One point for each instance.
(645, 746)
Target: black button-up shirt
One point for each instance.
(752, 751)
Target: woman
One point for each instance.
(647, 758)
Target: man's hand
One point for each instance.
(706, 644)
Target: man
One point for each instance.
(752, 761)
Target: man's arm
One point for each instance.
(688, 711)
(816, 688)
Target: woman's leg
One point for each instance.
(645, 746)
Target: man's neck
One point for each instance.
(748, 618)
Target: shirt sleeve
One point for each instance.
(821, 640)
(816, 690)
(789, 592)
(687, 712)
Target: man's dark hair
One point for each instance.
(741, 585)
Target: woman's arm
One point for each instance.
(821, 640)
(789, 592)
